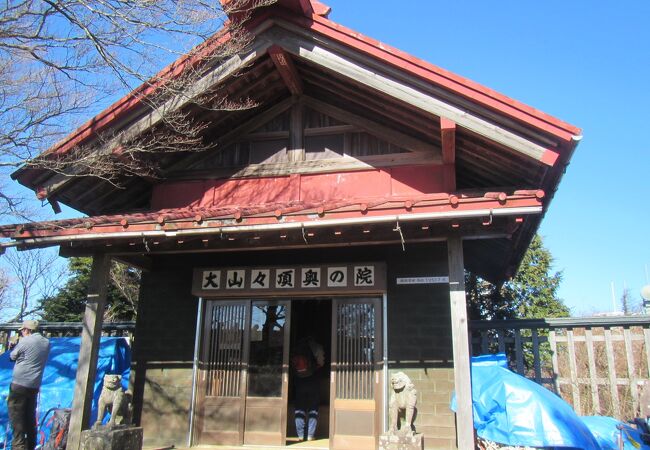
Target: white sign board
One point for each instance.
(423, 280)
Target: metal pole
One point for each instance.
(195, 364)
(384, 341)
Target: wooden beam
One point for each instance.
(343, 164)
(459, 330)
(232, 135)
(448, 136)
(393, 136)
(89, 351)
(296, 146)
(284, 65)
(448, 145)
(141, 262)
(303, 47)
(140, 125)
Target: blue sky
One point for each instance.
(586, 62)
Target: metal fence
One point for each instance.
(596, 364)
(65, 329)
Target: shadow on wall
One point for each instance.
(164, 390)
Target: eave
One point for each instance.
(467, 88)
(369, 221)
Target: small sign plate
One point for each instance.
(423, 280)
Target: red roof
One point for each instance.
(310, 14)
(233, 216)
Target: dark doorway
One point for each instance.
(311, 318)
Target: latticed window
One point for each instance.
(356, 351)
(225, 350)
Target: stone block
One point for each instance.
(116, 438)
(391, 441)
(444, 386)
(440, 444)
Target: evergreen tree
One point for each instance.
(69, 303)
(532, 293)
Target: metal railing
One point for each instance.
(596, 364)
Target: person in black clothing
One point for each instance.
(308, 357)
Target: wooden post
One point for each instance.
(90, 335)
(459, 329)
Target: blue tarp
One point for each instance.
(512, 410)
(606, 432)
(59, 376)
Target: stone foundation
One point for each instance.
(400, 442)
(119, 438)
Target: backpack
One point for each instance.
(60, 422)
(303, 361)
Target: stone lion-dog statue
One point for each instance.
(403, 399)
(114, 400)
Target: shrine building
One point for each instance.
(345, 205)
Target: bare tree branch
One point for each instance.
(30, 274)
(63, 60)
(127, 281)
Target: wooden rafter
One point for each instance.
(287, 70)
(148, 121)
(323, 56)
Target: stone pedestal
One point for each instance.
(391, 441)
(115, 438)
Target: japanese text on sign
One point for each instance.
(226, 281)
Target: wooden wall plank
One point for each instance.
(393, 136)
(296, 145)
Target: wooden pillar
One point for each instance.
(459, 329)
(91, 334)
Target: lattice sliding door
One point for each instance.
(356, 378)
(225, 350)
(222, 373)
(356, 352)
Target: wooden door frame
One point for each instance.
(378, 300)
(284, 395)
(204, 324)
(199, 385)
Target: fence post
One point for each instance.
(591, 360)
(611, 371)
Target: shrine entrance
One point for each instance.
(244, 386)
